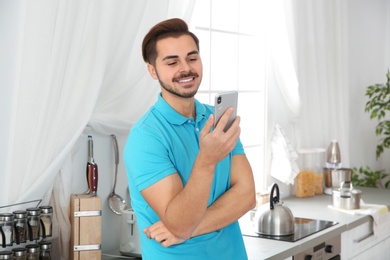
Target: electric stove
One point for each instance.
(303, 227)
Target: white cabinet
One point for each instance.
(367, 241)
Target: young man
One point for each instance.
(189, 182)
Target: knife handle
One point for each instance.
(94, 178)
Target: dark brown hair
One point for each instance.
(174, 27)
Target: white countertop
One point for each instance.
(315, 208)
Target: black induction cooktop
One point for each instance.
(303, 227)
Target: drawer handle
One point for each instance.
(363, 238)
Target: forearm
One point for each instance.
(234, 203)
(186, 210)
(228, 208)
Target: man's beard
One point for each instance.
(168, 88)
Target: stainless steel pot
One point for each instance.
(346, 198)
(275, 220)
(335, 176)
(341, 175)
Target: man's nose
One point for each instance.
(185, 67)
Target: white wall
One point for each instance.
(369, 60)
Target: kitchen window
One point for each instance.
(232, 47)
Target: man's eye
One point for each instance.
(171, 63)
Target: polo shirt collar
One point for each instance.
(173, 117)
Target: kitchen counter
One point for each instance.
(315, 208)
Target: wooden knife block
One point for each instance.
(86, 222)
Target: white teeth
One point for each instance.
(185, 80)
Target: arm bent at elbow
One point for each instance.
(233, 204)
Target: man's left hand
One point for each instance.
(162, 235)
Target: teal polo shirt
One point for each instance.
(163, 142)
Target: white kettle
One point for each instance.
(130, 243)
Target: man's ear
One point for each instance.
(152, 71)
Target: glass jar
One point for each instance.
(45, 250)
(46, 221)
(32, 252)
(20, 226)
(19, 253)
(33, 217)
(6, 229)
(5, 255)
(310, 179)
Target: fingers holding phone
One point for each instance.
(218, 143)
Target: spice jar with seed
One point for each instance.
(19, 253)
(46, 221)
(33, 217)
(20, 226)
(6, 229)
(32, 252)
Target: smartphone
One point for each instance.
(223, 101)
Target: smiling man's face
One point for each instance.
(178, 66)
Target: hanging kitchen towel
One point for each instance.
(283, 157)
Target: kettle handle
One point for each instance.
(273, 199)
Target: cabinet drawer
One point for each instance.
(358, 239)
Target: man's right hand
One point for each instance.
(216, 145)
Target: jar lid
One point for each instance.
(46, 209)
(6, 217)
(316, 150)
(45, 245)
(32, 248)
(19, 251)
(5, 255)
(33, 211)
(19, 214)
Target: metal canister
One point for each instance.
(6, 229)
(341, 175)
(20, 226)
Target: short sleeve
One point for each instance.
(146, 157)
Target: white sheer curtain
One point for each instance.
(321, 62)
(79, 63)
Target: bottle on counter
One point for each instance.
(32, 252)
(33, 223)
(6, 229)
(333, 161)
(20, 226)
(46, 221)
(19, 253)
